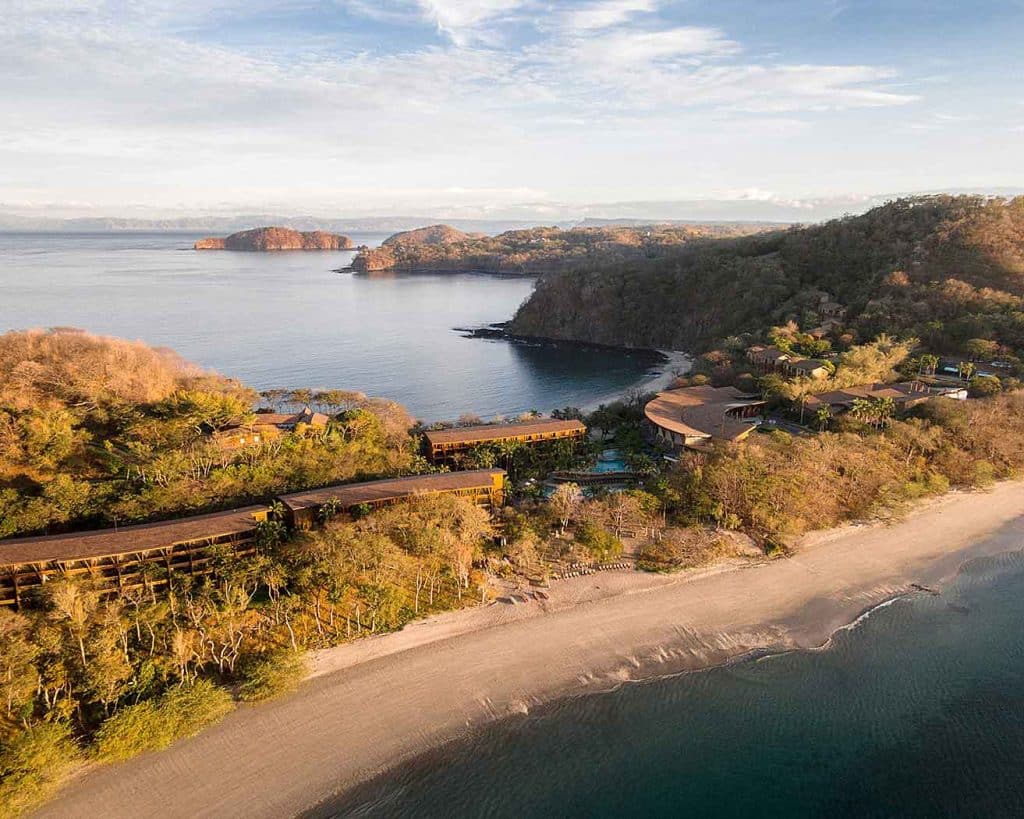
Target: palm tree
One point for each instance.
(883, 409)
(966, 369)
(822, 417)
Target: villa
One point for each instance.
(904, 395)
(696, 416)
(773, 359)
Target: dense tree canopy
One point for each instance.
(947, 270)
(95, 430)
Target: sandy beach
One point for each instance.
(373, 703)
(676, 363)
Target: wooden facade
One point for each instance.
(131, 557)
(303, 509)
(148, 555)
(442, 445)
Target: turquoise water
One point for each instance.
(610, 461)
(917, 711)
(288, 320)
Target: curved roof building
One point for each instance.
(695, 416)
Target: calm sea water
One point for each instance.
(917, 711)
(287, 320)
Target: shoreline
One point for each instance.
(665, 367)
(375, 703)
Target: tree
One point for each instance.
(823, 417)
(565, 503)
(18, 675)
(985, 386)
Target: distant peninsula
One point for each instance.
(442, 248)
(276, 238)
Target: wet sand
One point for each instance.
(376, 702)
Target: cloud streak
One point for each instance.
(471, 90)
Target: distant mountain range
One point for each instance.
(755, 206)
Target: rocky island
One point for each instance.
(276, 238)
(441, 248)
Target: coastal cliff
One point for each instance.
(530, 252)
(276, 238)
(944, 269)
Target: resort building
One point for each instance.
(695, 416)
(127, 557)
(288, 421)
(303, 510)
(904, 395)
(265, 427)
(805, 367)
(772, 359)
(767, 358)
(148, 555)
(442, 444)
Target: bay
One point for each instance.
(290, 320)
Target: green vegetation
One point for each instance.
(153, 725)
(32, 766)
(135, 672)
(947, 270)
(776, 487)
(271, 675)
(96, 431)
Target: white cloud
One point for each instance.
(622, 47)
(114, 96)
(605, 14)
(461, 19)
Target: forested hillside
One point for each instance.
(945, 269)
(97, 430)
(537, 250)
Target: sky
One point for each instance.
(511, 107)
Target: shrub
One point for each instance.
(33, 765)
(600, 543)
(681, 549)
(155, 724)
(984, 386)
(270, 675)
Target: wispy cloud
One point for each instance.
(605, 13)
(466, 91)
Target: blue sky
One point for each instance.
(478, 107)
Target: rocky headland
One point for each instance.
(441, 248)
(276, 238)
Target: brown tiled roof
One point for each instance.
(767, 353)
(903, 391)
(805, 364)
(496, 432)
(353, 494)
(126, 539)
(272, 418)
(700, 411)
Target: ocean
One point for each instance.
(917, 710)
(290, 320)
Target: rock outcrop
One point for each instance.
(408, 248)
(276, 238)
(433, 235)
